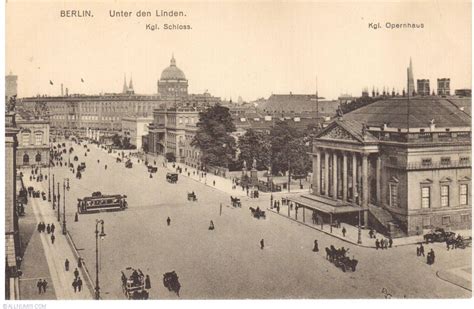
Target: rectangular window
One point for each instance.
(463, 195)
(38, 139)
(25, 139)
(426, 162)
(446, 220)
(464, 161)
(445, 161)
(465, 218)
(393, 195)
(425, 197)
(426, 222)
(444, 196)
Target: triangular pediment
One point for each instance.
(445, 179)
(339, 133)
(465, 178)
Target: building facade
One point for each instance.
(398, 174)
(33, 142)
(11, 86)
(423, 86)
(135, 128)
(444, 86)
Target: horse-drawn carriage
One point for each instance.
(171, 282)
(192, 197)
(235, 201)
(257, 213)
(459, 242)
(152, 169)
(76, 158)
(133, 284)
(172, 177)
(128, 164)
(339, 259)
(118, 160)
(438, 235)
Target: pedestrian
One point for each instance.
(45, 284)
(315, 248)
(52, 238)
(390, 241)
(417, 251)
(344, 231)
(214, 183)
(48, 228)
(106, 167)
(278, 208)
(377, 244)
(52, 228)
(66, 265)
(79, 284)
(39, 284)
(76, 273)
(422, 249)
(79, 262)
(262, 244)
(39, 227)
(74, 285)
(371, 233)
(211, 226)
(432, 256)
(447, 244)
(147, 282)
(76, 217)
(168, 221)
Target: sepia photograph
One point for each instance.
(237, 150)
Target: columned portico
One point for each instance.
(344, 176)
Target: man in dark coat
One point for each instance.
(316, 248)
(52, 228)
(74, 285)
(262, 244)
(66, 265)
(377, 244)
(79, 284)
(422, 250)
(76, 273)
(48, 229)
(45, 284)
(390, 242)
(168, 221)
(147, 282)
(53, 238)
(39, 285)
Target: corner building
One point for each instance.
(403, 165)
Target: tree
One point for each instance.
(117, 141)
(255, 145)
(213, 137)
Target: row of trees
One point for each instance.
(284, 149)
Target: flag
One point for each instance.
(50, 82)
(82, 80)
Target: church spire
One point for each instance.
(124, 83)
(130, 86)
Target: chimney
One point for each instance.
(62, 90)
(67, 92)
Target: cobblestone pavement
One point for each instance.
(228, 262)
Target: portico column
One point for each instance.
(317, 172)
(344, 176)
(379, 179)
(365, 187)
(334, 175)
(354, 176)
(326, 173)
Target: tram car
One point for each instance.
(99, 203)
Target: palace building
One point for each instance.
(400, 165)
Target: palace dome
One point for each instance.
(172, 72)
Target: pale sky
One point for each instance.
(238, 48)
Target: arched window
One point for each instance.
(38, 157)
(26, 159)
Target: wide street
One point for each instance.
(228, 262)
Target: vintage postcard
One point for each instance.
(237, 150)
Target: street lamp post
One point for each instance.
(359, 232)
(102, 234)
(54, 195)
(49, 183)
(64, 204)
(59, 200)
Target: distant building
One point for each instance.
(405, 174)
(463, 92)
(297, 103)
(33, 142)
(173, 82)
(443, 86)
(135, 128)
(423, 87)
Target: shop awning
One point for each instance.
(325, 205)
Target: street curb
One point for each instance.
(84, 271)
(328, 233)
(443, 277)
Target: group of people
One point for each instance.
(42, 284)
(430, 256)
(383, 243)
(42, 227)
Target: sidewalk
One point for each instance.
(55, 254)
(351, 231)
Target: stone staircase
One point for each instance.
(383, 222)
